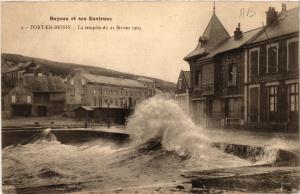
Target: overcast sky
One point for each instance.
(169, 31)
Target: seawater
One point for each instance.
(164, 143)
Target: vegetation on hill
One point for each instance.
(63, 69)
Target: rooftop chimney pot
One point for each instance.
(238, 33)
(271, 16)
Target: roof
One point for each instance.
(230, 43)
(187, 77)
(143, 79)
(100, 79)
(44, 83)
(214, 33)
(20, 66)
(287, 23)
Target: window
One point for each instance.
(294, 97)
(207, 74)
(28, 99)
(94, 91)
(273, 98)
(292, 54)
(72, 81)
(179, 83)
(82, 82)
(232, 71)
(13, 99)
(198, 78)
(254, 62)
(272, 58)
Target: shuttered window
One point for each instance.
(254, 62)
(232, 73)
(207, 74)
(293, 55)
(272, 58)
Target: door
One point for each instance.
(254, 104)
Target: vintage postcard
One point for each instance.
(150, 97)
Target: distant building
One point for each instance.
(99, 91)
(149, 84)
(35, 96)
(272, 73)
(182, 90)
(217, 72)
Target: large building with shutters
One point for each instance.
(272, 73)
(249, 79)
(98, 91)
(217, 75)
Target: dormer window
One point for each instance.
(203, 40)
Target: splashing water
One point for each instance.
(160, 117)
(164, 142)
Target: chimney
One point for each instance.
(283, 8)
(238, 33)
(271, 15)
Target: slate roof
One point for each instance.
(44, 83)
(287, 22)
(100, 79)
(230, 43)
(214, 33)
(187, 76)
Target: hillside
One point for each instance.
(63, 69)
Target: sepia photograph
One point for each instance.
(150, 97)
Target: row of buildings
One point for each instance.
(250, 79)
(30, 90)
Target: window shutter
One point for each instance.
(254, 62)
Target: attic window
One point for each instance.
(203, 40)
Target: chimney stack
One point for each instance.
(238, 33)
(283, 7)
(271, 15)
